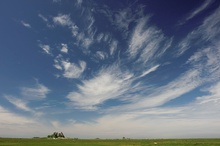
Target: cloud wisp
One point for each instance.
(36, 93)
(197, 11)
(46, 49)
(19, 103)
(208, 32)
(147, 43)
(29, 95)
(69, 70)
(107, 84)
(25, 24)
(65, 20)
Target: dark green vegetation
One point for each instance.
(56, 135)
(98, 142)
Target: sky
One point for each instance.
(110, 69)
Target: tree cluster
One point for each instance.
(56, 135)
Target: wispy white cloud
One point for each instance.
(196, 119)
(100, 37)
(161, 95)
(19, 103)
(48, 22)
(206, 32)
(72, 70)
(207, 62)
(147, 42)
(206, 59)
(198, 10)
(106, 37)
(79, 3)
(149, 71)
(46, 49)
(65, 20)
(214, 96)
(25, 24)
(39, 91)
(25, 126)
(10, 118)
(69, 69)
(107, 84)
(58, 62)
(43, 18)
(204, 68)
(139, 37)
(113, 47)
(209, 29)
(28, 95)
(151, 48)
(64, 48)
(86, 42)
(88, 37)
(122, 19)
(101, 55)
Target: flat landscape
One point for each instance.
(99, 142)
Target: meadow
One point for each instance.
(99, 142)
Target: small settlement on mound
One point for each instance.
(56, 135)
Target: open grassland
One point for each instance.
(98, 142)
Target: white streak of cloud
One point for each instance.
(43, 18)
(124, 18)
(65, 20)
(19, 103)
(197, 11)
(72, 70)
(69, 69)
(87, 42)
(10, 118)
(38, 92)
(101, 55)
(149, 71)
(207, 62)
(100, 37)
(64, 48)
(145, 41)
(213, 97)
(25, 24)
(46, 49)
(139, 37)
(108, 84)
(161, 95)
(150, 50)
(207, 32)
(113, 47)
(57, 62)
(210, 27)
(79, 3)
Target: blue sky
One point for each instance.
(110, 69)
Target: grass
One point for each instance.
(98, 142)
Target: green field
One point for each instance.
(130, 142)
